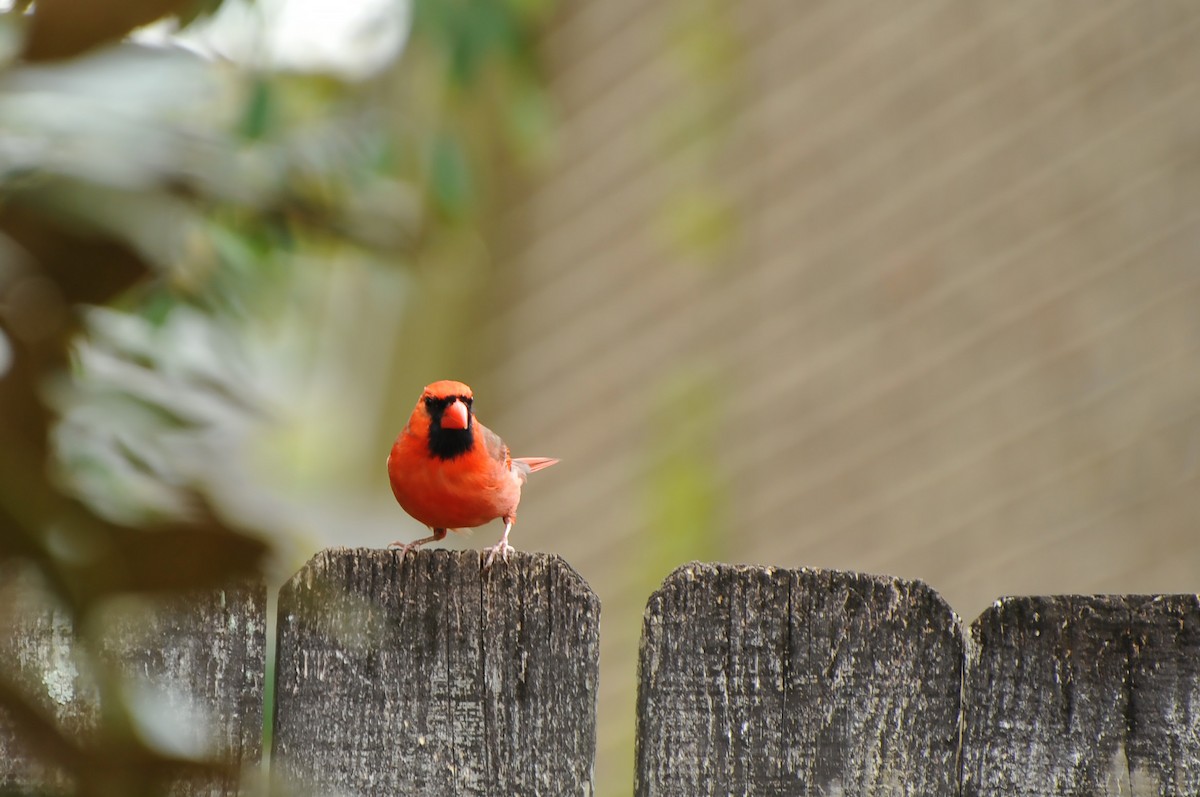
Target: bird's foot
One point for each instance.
(501, 550)
(404, 547)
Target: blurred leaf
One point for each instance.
(468, 31)
(683, 486)
(189, 210)
(155, 306)
(452, 185)
(200, 9)
(700, 221)
(704, 38)
(532, 9)
(259, 111)
(139, 415)
(128, 117)
(12, 35)
(698, 216)
(530, 117)
(66, 28)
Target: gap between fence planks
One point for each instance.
(427, 675)
(762, 681)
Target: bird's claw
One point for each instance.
(403, 547)
(500, 549)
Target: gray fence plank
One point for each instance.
(1084, 695)
(762, 681)
(192, 666)
(427, 675)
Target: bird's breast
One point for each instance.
(461, 492)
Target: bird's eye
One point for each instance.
(467, 400)
(429, 403)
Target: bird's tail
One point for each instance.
(528, 465)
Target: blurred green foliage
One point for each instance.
(698, 218)
(154, 204)
(685, 499)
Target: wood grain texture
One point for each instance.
(1084, 695)
(428, 676)
(190, 669)
(757, 680)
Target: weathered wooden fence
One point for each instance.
(427, 676)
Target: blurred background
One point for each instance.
(909, 289)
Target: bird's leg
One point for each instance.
(501, 548)
(437, 536)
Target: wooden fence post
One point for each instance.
(427, 675)
(1084, 695)
(193, 662)
(755, 680)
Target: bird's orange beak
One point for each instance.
(455, 416)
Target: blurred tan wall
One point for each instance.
(954, 333)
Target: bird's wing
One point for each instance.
(495, 447)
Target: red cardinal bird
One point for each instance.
(450, 472)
